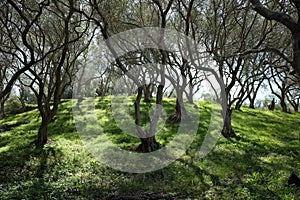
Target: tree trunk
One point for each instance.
(22, 98)
(43, 132)
(148, 141)
(190, 95)
(251, 101)
(283, 106)
(296, 108)
(238, 106)
(296, 50)
(251, 105)
(255, 91)
(2, 111)
(181, 113)
(272, 105)
(147, 93)
(148, 144)
(190, 99)
(227, 130)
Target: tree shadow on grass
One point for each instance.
(261, 167)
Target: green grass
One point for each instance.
(255, 166)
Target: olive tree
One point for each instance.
(17, 21)
(64, 30)
(286, 13)
(231, 33)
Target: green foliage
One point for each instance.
(256, 165)
(13, 105)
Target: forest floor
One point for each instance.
(255, 165)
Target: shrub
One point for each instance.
(13, 105)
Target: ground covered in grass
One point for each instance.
(256, 165)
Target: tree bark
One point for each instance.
(22, 98)
(3, 99)
(147, 93)
(283, 105)
(251, 105)
(238, 106)
(148, 141)
(272, 105)
(296, 49)
(190, 99)
(2, 111)
(43, 132)
(181, 113)
(295, 104)
(255, 91)
(227, 130)
(189, 94)
(296, 108)
(148, 145)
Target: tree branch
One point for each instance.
(283, 18)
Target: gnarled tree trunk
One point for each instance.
(296, 48)
(47, 112)
(42, 138)
(227, 130)
(181, 113)
(283, 106)
(148, 141)
(148, 144)
(251, 105)
(22, 98)
(296, 108)
(238, 106)
(2, 111)
(180, 110)
(148, 93)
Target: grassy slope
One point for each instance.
(256, 166)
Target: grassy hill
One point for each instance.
(254, 166)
